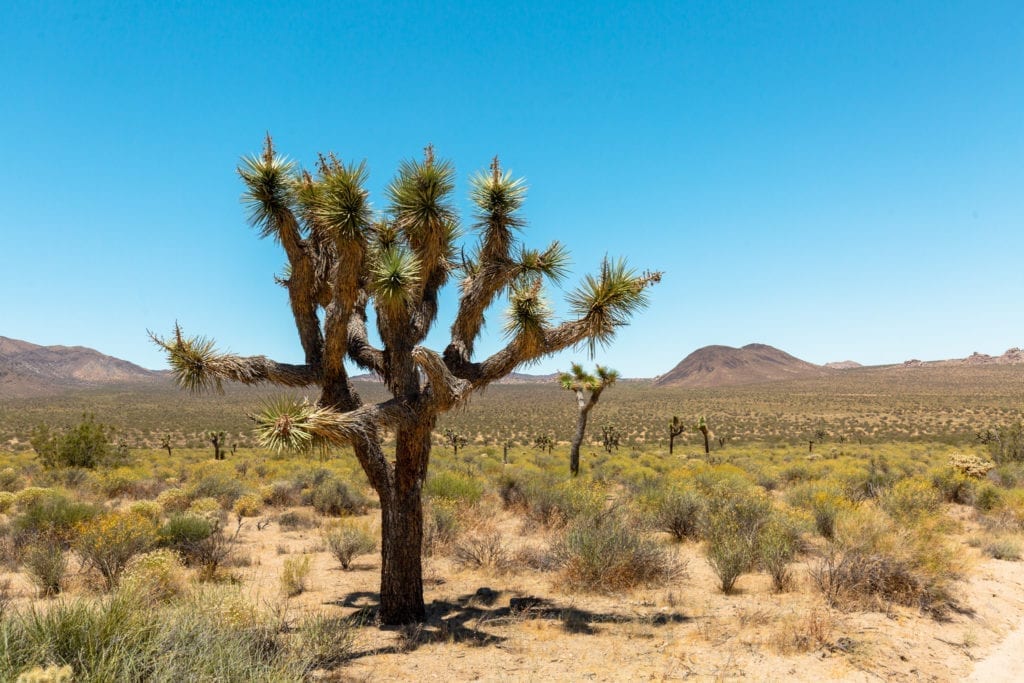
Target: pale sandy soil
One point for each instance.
(686, 630)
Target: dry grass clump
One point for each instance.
(482, 547)
(348, 539)
(607, 553)
(873, 563)
(295, 575)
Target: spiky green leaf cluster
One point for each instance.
(420, 198)
(190, 359)
(342, 202)
(608, 300)
(268, 190)
(395, 274)
(498, 197)
(529, 313)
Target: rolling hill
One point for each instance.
(28, 369)
(723, 366)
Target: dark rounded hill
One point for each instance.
(723, 366)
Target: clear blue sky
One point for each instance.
(841, 180)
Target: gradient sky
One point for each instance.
(837, 179)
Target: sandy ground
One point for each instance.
(685, 630)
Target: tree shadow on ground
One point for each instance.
(467, 618)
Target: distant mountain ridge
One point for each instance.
(1012, 356)
(27, 369)
(721, 366)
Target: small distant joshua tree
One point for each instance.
(675, 428)
(455, 440)
(544, 443)
(702, 427)
(610, 438)
(217, 439)
(165, 443)
(582, 383)
(346, 258)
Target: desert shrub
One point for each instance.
(296, 519)
(481, 548)
(280, 494)
(987, 497)
(824, 502)
(46, 563)
(606, 553)
(349, 539)
(335, 498)
(87, 444)
(31, 494)
(954, 486)
(731, 527)
(1004, 548)
(6, 501)
(156, 576)
(778, 542)
(116, 482)
(51, 515)
(512, 492)
(174, 500)
(248, 505)
(873, 562)
(10, 480)
(295, 575)
(864, 484)
(221, 486)
(795, 473)
(721, 480)
(441, 525)
(207, 507)
(675, 510)
(461, 489)
(554, 504)
(910, 498)
(150, 509)
(107, 542)
(185, 533)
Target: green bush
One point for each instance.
(51, 515)
(87, 444)
(336, 499)
(732, 528)
(46, 563)
(777, 544)
(222, 487)
(185, 534)
(954, 486)
(675, 510)
(910, 498)
(988, 498)
(459, 488)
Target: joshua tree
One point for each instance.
(217, 439)
(455, 440)
(702, 427)
(544, 443)
(344, 257)
(675, 428)
(165, 442)
(580, 382)
(610, 437)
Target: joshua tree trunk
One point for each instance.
(401, 574)
(581, 428)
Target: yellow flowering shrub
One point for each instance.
(109, 541)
